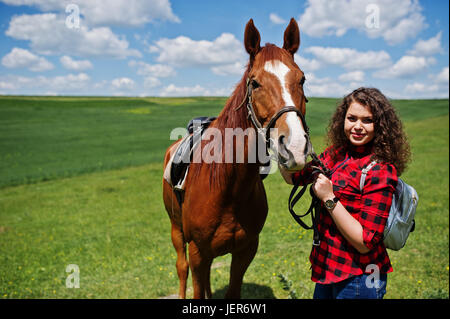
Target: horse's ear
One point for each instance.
(292, 37)
(252, 39)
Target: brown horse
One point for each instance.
(225, 204)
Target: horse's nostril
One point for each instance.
(281, 140)
(283, 152)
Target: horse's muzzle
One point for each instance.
(289, 159)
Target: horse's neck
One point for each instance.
(234, 116)
(244, 168)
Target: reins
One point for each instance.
(316, 204)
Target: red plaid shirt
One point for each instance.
(335, 259)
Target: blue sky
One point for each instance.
(186, 48)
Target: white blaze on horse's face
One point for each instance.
(295, 148)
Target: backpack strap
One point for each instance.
(364, 173)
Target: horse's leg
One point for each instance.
(208, 282)
(182, 264)
(239, 264)
(200, 266)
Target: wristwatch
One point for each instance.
(330, 204)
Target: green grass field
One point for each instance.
(80, 183)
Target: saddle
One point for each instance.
(183, 154)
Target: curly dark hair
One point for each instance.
(390, 144)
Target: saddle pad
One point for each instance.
(178, 165)
(172, 152)
(181, 161)
(180, 154)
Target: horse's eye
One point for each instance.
(302, 81)
(255, 84)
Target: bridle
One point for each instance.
(315, 207)
(265, 131)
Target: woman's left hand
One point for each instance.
(323, 188)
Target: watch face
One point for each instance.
(329, 204)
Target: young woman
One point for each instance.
(351, 253)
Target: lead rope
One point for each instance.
(316, 204)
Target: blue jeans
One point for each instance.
(352, 288)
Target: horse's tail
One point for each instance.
(174, 212)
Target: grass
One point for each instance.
(47, 138)
(110, 219)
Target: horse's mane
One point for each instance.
(233, 115)
(230, 117)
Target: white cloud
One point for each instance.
(237, 68)
(428, 47)
(421, 88)
(398, 20)
(405, 67)
(324, 87)
(307, 65)
(172, 90)
(407, 27)
(311, 78)
(151, 82)
(6, 85)
(41, 84)
(111, 12)
(127, 12)
(69, 82)
(48, 34)
(442, 77)
(275, 18)
(155, 70)
(332, 89)
(72, 64)
(21, 58)
(225, 52)
(351, 59)
(197, 90)
(436, 87)
(355, 76)
(123, 83)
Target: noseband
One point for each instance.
(265, 131)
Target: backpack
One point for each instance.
(401, 215)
